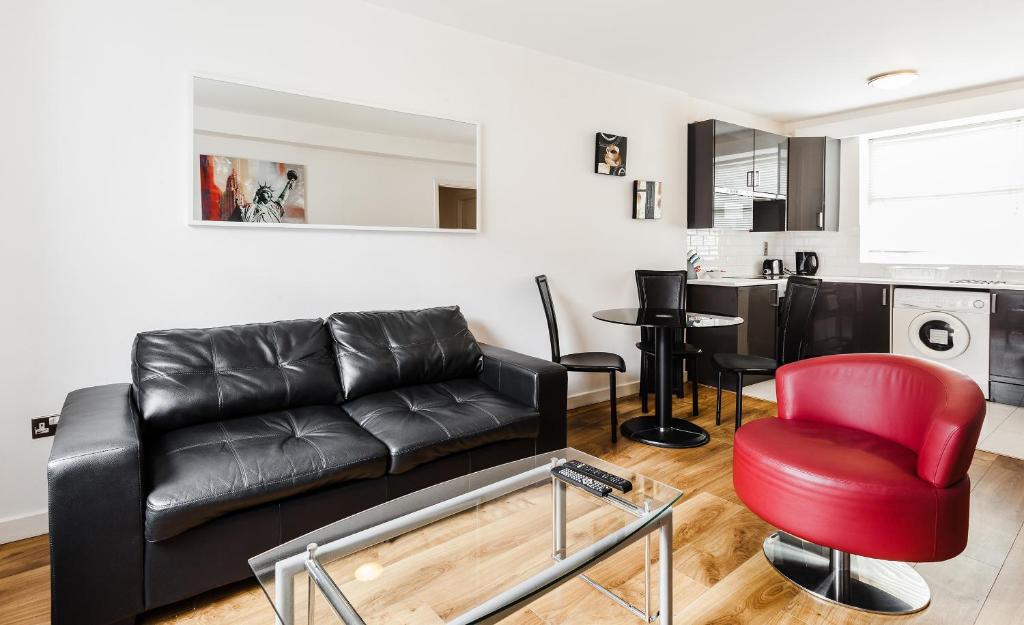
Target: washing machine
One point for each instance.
(950, 327)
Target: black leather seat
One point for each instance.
(204, 471)
(665, 289)
(585, 362)
(747, 363)
(597, 362)
(797, 307)
(421, 423)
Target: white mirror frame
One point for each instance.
(192, 221)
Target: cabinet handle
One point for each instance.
(885, 296)
(750, 178)
(821, 220)
(757, 178)
(993, 311)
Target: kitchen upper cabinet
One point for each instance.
(1006, 347)
(849, 318)
(813, 193)
(771, 158)
(737, 177)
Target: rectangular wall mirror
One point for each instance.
(267, 158)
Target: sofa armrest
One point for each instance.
(532, 381)
(94, 479)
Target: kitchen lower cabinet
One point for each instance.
(758, 305)
(1006, 348)
(849, 318)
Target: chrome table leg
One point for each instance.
(665, 569)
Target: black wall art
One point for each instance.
(646, 199)
(610, 155)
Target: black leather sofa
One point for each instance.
(232, 440)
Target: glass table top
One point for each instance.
(665, 318)
(451, 552)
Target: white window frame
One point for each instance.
(891, 257)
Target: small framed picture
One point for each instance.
(646, 199)
(610, 155)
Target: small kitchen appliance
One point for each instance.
(951, 327)
(772, 267)
(806, 263)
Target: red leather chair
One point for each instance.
(868, 456)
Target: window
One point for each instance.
(947, 196)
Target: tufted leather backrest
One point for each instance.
(378, 351)
(929, 408)
(187, 377)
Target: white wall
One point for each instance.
(98, 151)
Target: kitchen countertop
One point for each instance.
(946, 284)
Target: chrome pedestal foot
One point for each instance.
(879, 586)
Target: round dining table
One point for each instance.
(661, 429)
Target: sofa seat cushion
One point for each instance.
(201, 472)
(425, 422)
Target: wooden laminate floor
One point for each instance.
(721, 576)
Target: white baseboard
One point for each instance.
(587, 398)
(23, 526)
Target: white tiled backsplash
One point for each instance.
(740, 253)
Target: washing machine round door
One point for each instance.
(939, 335)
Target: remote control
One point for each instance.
(579, 480)
(604, 477)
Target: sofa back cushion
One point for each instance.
(380, 351)
(187, 377)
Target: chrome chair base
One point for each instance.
(879, 586)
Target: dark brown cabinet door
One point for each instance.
(771, 154)
(700, 175)
(872, 320)
(758, 305)
(849, 318)
(1006, 347)
(813, 193)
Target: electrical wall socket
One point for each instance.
(764, 248)
(44, 426)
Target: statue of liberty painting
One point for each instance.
(251, 191)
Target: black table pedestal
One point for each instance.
(661, 429)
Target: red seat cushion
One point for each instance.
(849, 490)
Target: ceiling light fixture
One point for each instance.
(893, 80)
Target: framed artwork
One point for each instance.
(610, 155)
(251, 190)
(646, 199)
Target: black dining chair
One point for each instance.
(665, 289)
(591, 362)
(793, 325)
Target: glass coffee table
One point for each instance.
(477, 548)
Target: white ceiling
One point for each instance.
(785, 60)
